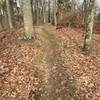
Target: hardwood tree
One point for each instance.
(55, 11)
(89, 26)
(28, 20)
(44, 10)
(10, 21)
(49, 11)
(37, 12)
(1, 15)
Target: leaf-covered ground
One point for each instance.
(85, 67)
(52, 67)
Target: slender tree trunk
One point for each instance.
(84, 12)
(37, 11)
(89, 26)
(49, 11)
(55, 11)
(9, 13)
(28, 21)
(35, 14)
(1, 16)
(44, 11)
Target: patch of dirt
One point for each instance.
(57, 84)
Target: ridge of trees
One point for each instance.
(57, 12)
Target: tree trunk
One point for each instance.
(28, 20)
(89, 26)
(37, 12)
(84, 11)
(55, 11)
(49, 11)
(44, 11)
(9, 13)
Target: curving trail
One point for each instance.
(56, 83)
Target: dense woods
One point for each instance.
(49, 49)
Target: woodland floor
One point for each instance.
(51, 67)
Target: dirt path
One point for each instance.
(56, 83)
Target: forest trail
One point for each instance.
(51, 67)
(57, 84)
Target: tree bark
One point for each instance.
(28, 20)
(89, 26)
(49, 11)
(55, 11)
(44, 11)
(9, 14)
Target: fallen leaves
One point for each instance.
(18, 56)
(85, 68)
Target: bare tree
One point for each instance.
(55, 11)
(28, 20)
(89, 26)
(9, 14)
